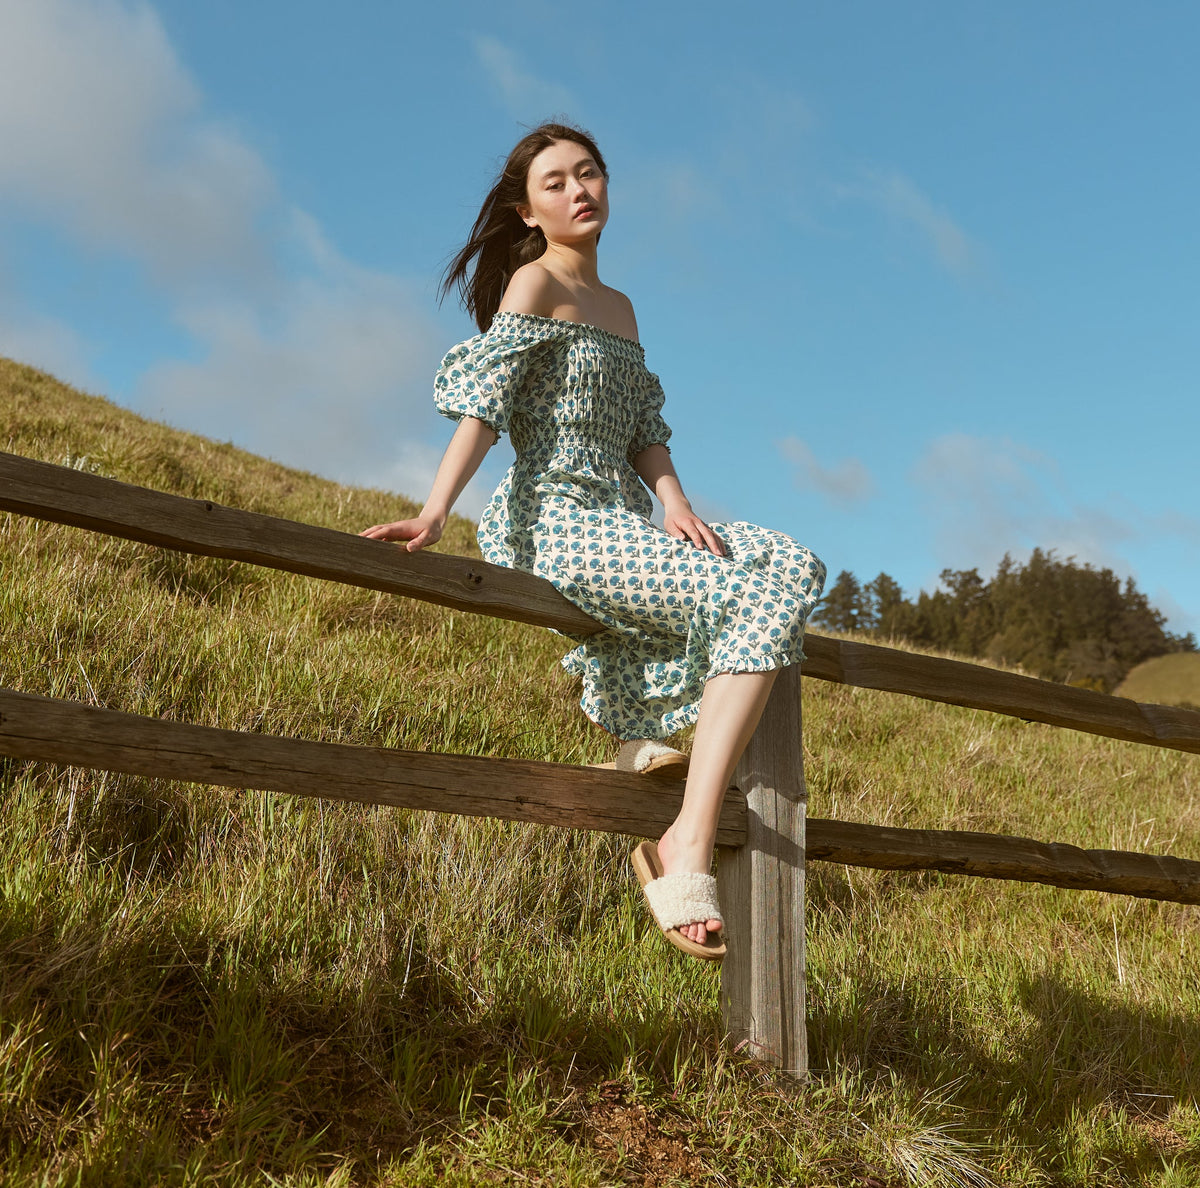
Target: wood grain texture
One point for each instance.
(68, 496)
(869, 666)
(45, 728)
(761, 886)
(1149, 876)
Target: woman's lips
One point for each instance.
(585, 212)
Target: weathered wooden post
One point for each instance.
(761, 885)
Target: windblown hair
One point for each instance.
(500, 241)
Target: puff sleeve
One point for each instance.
(482, 377)
(649, 428)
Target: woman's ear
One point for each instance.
(525, 214)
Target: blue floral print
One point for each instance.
(579, 404)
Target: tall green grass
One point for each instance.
(202, 986)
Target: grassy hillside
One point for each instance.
(1169, 680)
(200, 986)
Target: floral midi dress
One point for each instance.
(579, 404)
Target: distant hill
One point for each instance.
(1168, 680)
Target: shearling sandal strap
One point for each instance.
(686, 898)
(680, 899)
(647, 754)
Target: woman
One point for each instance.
(699, 617)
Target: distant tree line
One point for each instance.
(1056, 619)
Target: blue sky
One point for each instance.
(920, 279)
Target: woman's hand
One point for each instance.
(657, 471)
(472, 439)
(683, 524)
(419, 532)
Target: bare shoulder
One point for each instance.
(532, 289)
(624, 319)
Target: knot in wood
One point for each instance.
(474, 578)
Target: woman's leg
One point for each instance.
(730, 708)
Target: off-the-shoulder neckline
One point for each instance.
(513, 313)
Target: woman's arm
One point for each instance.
(528, 292)
(658, 473)
(471, 441)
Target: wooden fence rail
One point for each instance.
(764, 837)
(52, 730)
(56, 731)
(199, 526)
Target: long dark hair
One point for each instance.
(500, 239)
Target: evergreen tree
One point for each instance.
(1058, 619)
(972, 621)
(887, 605)
(842, 607)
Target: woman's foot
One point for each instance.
(679, 899)
(678, 856)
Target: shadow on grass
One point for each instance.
(1079, 1052)
(161, 1044)
(197, 1036)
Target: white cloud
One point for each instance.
(524, 95)
(410, 472)
(35, 338)
(660, 208)
(1176, 523)
(1179, 619)
(102, 130)
(44, 343)
(332, 373)
(331, 378)
(991, 496)
(848, 481)
(762, 149)
(900, 198)
(985, 497)
(296, 352)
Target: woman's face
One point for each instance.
(567, 194)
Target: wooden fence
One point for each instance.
(763, 837)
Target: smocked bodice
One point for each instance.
(555, 387)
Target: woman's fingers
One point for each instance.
(709, 539)
(409, 530)
(418, 535)
(697, 532)
(712, 541)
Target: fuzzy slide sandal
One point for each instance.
(647, 755)
(679, 899)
